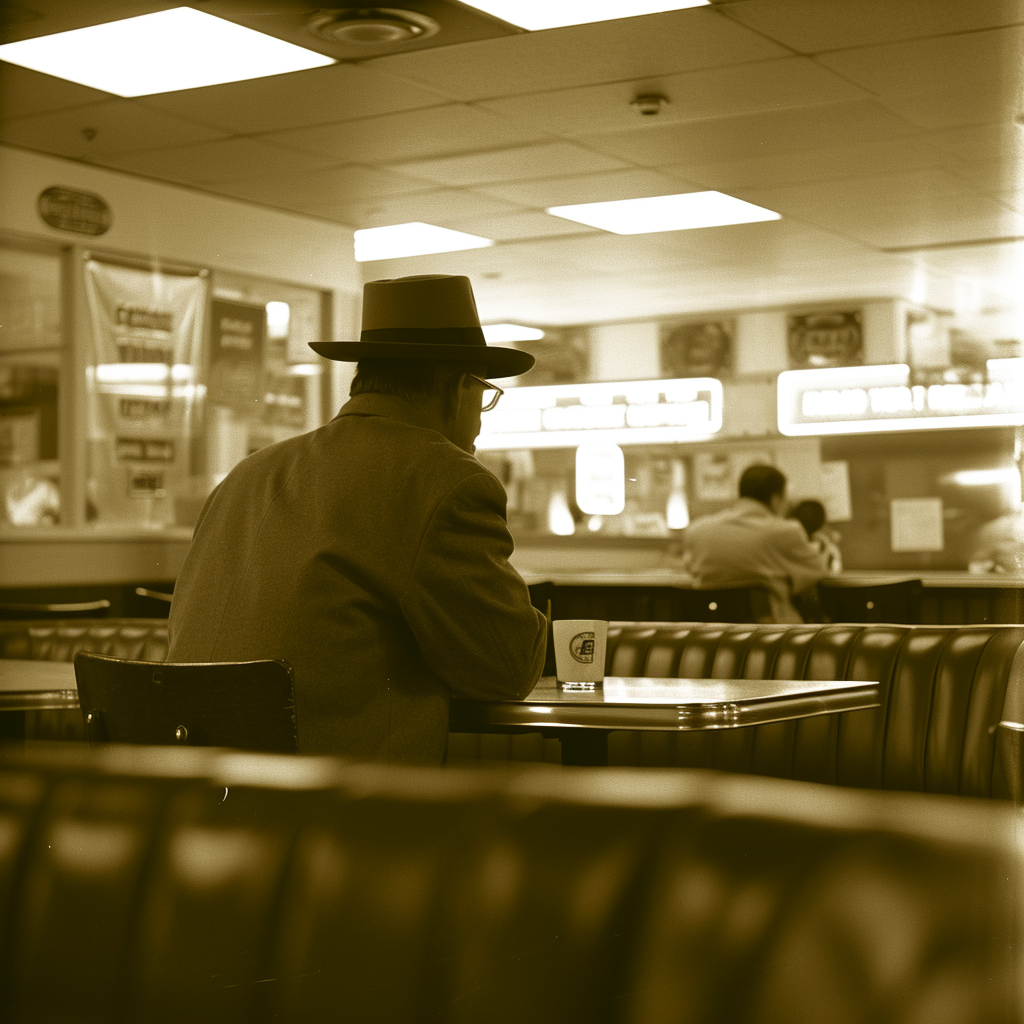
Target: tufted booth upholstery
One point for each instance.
(168, 885)
(944, 690)
(62, 639)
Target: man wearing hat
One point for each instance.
(371, 554)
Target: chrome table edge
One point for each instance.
(679, 718)
(38, 700)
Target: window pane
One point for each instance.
(30, 339)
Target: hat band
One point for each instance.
(426, 335)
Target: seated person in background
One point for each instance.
(810, 514)
(371, 554)
(999, 546)
(751, 543)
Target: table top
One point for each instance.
(623, 702)
(30, 685)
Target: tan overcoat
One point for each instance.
(748, 543)
(372, 556)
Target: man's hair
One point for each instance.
(410, 379)
(810, 514)
(762, 483)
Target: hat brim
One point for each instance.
(493, 361)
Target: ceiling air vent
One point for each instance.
(371, 28)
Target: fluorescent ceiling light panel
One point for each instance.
(540, 14)
(499, 333)
(412, 239)
(162, 52)
(665, 213)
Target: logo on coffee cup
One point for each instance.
(581, 647)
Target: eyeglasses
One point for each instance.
(491, 392)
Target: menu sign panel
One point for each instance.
(862, 399)
(236, 354)
(626, 412)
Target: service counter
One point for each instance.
(950, 598)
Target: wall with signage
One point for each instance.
(115, 423)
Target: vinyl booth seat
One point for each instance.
(943, 692)
(144, 884)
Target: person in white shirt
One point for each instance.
(752, 543)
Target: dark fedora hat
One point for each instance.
(429, 316)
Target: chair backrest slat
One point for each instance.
(247, 705)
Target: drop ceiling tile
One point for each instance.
(120, 126)
(631, 48)
(586, 188)
(918, 208)
(859, 122)
(25, 92)
(713, 92)
(803, 25)
(809, 165)
(319, 96)
(441, 206)
(413, 134)
(990, 59)
(320, 188)
(222, 160)
(995, 142)
(1014, 199)
(955, 106)
(510, 164)
(525, 224)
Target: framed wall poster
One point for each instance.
(700, 349)
(817, 340)
(563, 357)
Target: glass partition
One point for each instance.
(31, 350)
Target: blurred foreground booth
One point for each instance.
(161, 884)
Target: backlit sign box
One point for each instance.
(626, 412)
(862, 399)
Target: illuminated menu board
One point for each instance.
(626, 412)
(861, 399)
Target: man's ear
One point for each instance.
(455, 396)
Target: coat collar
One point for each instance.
(752, 507)
(389, 406)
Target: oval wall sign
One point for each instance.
(71, 210)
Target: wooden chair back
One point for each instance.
(246, 705)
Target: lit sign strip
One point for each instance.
(861, 399)
(625, 412)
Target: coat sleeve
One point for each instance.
(468, 608)
(803, 562)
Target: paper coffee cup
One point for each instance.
(579, 649)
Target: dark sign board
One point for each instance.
(70, 210)
(236, 354)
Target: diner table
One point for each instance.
(580, 715)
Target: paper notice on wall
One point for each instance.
(835, 491)
(916, 524)
(714, 476)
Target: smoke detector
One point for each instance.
(649, 103)
(371, 27)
